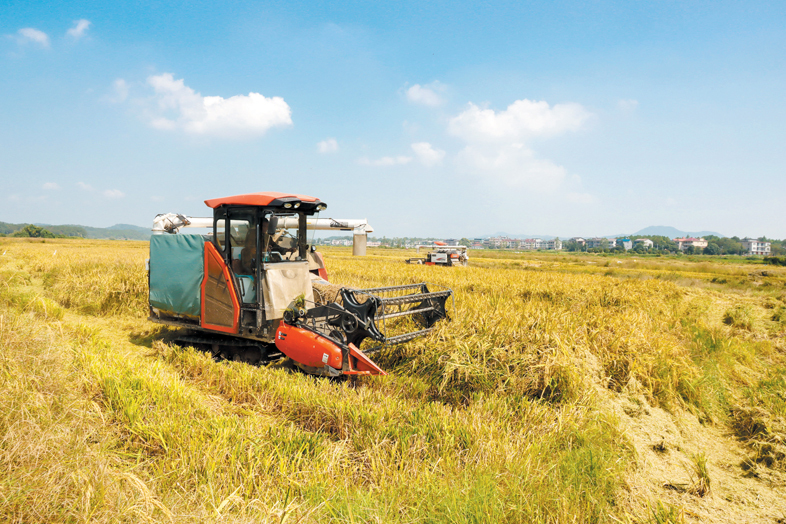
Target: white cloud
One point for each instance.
(385, 161)
(513, 165)
(113, 193)
(107, 193)
(410, 127)
(522, 119)
(180, 107)
(424, 152)
(581, 198)
(80, 26)
(627, 106)
(497, 142)
(427, 155)
(327, 146)
(120, 88)
(28, 34)
(426, 95)
(51, 186)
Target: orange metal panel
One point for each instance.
(212, 256)
(256, 199)
(314, 350)
(360, 364)
(322, 271)
(307, 347)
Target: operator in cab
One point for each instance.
(273, 251)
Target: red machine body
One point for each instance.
(317, 351)
(308, 347)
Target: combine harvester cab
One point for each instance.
(253, 289)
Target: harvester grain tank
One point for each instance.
(252, 289)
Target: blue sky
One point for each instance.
(445, 119)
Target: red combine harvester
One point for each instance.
(252, 289)
(442, 254)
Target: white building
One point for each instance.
(755, 247)
(646, 242)
(501, 242)
(555, 244)
(531, 243)
(685, 243)
(607, 243)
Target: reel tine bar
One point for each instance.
(429, 307)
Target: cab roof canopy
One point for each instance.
(269, 198)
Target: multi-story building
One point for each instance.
(685, 243)
(580, 241)
(607, 243)
(594, 242)
(501, 242)
(626, 243)
(755, 247)
(646, 242)
(554, 244)
(531, 243)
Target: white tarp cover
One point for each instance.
(283, 283)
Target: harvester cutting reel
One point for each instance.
(325, 339)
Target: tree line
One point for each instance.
(664, 245)
(31, 231)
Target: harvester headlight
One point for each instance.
(297, 205)
(287, 205)
(321, 207)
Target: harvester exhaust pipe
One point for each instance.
(173, 222)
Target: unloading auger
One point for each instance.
(253, 290)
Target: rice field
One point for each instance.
(565, 388)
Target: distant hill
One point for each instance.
(118, 231)
(673, 232)
(131, 227)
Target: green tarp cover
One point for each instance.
(176, 271)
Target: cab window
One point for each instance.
(280, 237)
